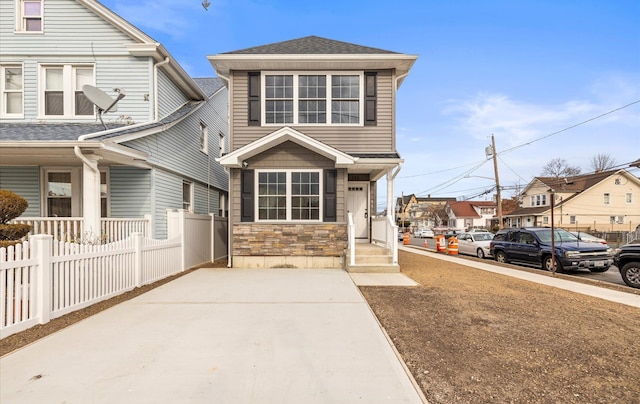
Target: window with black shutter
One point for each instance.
(246, 196)
(370, 98)
(254, 98)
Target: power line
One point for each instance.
(570, 127)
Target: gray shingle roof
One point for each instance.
(210, 85)
(310, 45)
(49, 131)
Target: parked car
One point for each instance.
(588, 238)
(452, 233)
(627, 259)
(400, 235)
(424, 232)
(475, 243)
(532, 246)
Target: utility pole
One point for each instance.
(495, 169)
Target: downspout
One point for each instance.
(229, 228)
(90, 212)
(155, 86)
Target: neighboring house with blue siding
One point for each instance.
(313, 129)
(157, 152)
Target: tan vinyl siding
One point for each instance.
(349, 139)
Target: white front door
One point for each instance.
(357, 203)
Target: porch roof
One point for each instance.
(374, 164)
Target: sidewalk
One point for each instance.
(629, 299)
(219, 336)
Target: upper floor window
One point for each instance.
(11, 86)
(606, 198)
(628, 197)
(204, 138)
(61, 91)
(29, 15)
(538, 200)
(314, 98)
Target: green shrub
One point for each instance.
(14, 231)
(12, 205)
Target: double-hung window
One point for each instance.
(61, 91)
(12, 88)
(606, 199)
(292, 195)
(312, 98)
(538, 200)
(29, 16)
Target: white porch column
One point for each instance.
(391, 211)
(91, 197)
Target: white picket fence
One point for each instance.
(43, 279)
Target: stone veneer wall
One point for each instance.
(304, 239)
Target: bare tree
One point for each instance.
(559, 167)
(602, 162)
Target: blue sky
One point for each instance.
(522, 70)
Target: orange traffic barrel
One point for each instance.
(406, 239)
(441, 246)
(453, 246)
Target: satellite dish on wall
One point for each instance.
(102, 100)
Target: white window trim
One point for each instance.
(20, 26)
(606, 199)
(288, 196)
(76, 189)
(628, 198)
(68, 90)
(295, 75)
(3, 91)
(204, 138)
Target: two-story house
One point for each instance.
(155, 152)
(423, 212)
(467, 215)
(312, 127)
(603, 201)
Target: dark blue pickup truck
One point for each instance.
(532, 246)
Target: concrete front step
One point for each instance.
(372, 268)
(371, 258)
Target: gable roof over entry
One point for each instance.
(237, 157)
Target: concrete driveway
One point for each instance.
(219, 336)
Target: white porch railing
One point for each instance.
(385, 232)
(351, 235)
(71, 229)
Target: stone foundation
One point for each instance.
(304, 245)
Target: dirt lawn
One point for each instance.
(470, 336)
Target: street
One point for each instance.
(611, 276)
